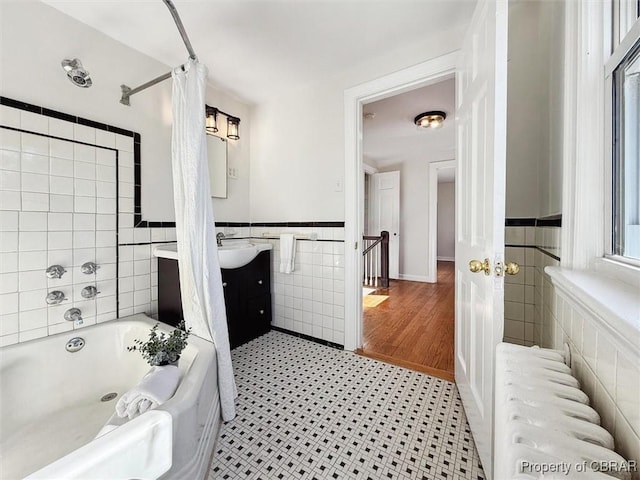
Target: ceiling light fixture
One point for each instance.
(433, 119)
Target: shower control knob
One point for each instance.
(55, 297)
(73, 315)
(89, 292)
(55, 271)
(89, 268)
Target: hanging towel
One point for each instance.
(287, 252)
(155, 388)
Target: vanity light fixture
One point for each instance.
(211, 122)
(432, 119)
(233, 125)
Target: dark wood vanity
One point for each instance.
(247, 295)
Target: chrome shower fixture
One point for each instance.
(76, 73)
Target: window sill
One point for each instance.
(615, 302)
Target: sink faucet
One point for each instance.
(219, 237)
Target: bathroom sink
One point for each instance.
(236, 254)
(232, 253)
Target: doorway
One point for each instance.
(408, 192)
(426, 73)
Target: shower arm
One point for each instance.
(127, 91)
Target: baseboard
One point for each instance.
(446, 259)
(413, 278)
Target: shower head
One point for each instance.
(76, 73)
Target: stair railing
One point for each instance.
(376, 260)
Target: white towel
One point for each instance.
(287, 252)
(155, 388)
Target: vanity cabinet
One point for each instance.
(247, 296)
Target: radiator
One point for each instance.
(544, 426)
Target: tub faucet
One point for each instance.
(219, 237)
(73, 315)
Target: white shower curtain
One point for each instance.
(200, 279)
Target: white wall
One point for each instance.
(526, 109)
(297, 140)
(552, 15)
(446, 220)
(413, 232)
(35, 38)
(534, 109)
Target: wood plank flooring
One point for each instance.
(414, 327)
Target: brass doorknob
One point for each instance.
(511, 268)
(477, 266)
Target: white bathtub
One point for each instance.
(50, 405)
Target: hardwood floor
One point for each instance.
(414, 327)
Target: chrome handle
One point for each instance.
(89, 292)
(261, 312)
(259, 282)
(89, 268)
(477, 266)
(55, 271)
(55, 297)
(224, 284)
(73, 315)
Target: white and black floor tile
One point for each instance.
(306, 411)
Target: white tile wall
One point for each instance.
(58, 206)
(310, 300)
(524, 292)
(52, 220)
(610, 377)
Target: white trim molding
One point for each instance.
(431, 71)
(414, 278)
(584, 149)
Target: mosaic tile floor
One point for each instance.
(306, 411)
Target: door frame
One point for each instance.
(420, 75)
(432, 228)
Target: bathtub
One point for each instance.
(51, 408)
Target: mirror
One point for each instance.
(217, 152)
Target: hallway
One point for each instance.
(414, 327)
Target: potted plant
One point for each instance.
(161, 348)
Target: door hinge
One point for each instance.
(356, 246)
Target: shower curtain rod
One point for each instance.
(127, 91)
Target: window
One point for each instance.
(626, 156)
(624, 80)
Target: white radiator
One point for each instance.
(544, 426)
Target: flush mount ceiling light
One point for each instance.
(433, 119)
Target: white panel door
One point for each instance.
(481, 95)
(386, 214)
